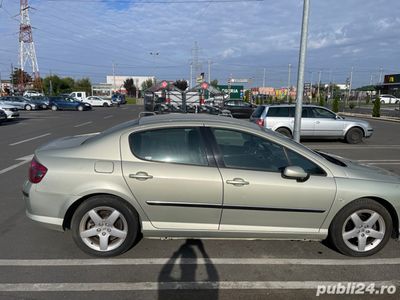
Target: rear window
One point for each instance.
(282, 112)
(258, 112)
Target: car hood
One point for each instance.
(356, 170)
(361, 122)
(66, 142)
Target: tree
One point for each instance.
(18, 74)
(130, 87)
(376, 111)
(214, 83)
(83, 85)
(147, 84)
(181, 84)
(335, 104)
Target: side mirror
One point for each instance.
(297, 173)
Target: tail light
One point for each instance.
(260, 122)
(36, 171)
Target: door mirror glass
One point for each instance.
(294, 172)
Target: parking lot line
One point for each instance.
(31, 139)
(83, 124)
(171, 285)
(107, 117)
(25, 159)
(199, 261)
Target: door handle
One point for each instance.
(141, 176)
(237, 182)
(317, 122)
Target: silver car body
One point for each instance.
(329, 125)
(10, 110)
(182, 200)
(18, 102)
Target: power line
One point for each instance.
(157, 1)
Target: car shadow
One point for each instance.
(169, 284)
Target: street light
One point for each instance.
(154, 54)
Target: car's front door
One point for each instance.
(257, 198)
(327, 124)
(170, 175)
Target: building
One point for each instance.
(117, 82)
(391, 85)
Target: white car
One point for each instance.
(11, 111)
(30, 93)
(389, 99)
(98, 101)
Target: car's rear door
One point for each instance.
(172, 176)
(257, 198)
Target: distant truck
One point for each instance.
(81, 96)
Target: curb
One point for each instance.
(389, 119)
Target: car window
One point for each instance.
(298, 160)
(307, 113)
(258, 112)
(171, 145)
(246, 151)
(323, 113)
(282, 112)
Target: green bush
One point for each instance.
(351, 105)
(376, 111)
(321, 101)
(335, 105)
(368, 99)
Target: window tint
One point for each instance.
(296, 159)
(258, 112)
(173, 145)
(323, 113)
(307, 113)
(278, 112)
(245, 151)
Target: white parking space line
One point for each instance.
(199, 285)
(355, 147)
(124, 108)
(83, 124)
(31, 139)
(380, 162)
(25, 159)
(199, 261)
(107, 117)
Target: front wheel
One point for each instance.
(28, 107)
(54, 108)
(361, 228)
(80, 108)
(104, 226)
(105, 104)
(354, 136)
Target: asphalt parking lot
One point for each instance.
(36, 263)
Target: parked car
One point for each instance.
(316, 122)
(19, 102)
(389, 99)
(3, 116)
(239, 109)
(98, 101)
(10, 111)
(119, 98)
(42, 102)
(81, 96)
(239, 181)
(61, 103)
(31, 93)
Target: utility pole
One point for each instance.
(209, 70)
(288, 84)
(113, 68)
(27, 50)
(380, 80)
(300, 74)
(265, 71)
(12, 79)
(191, 75)
(351, 83)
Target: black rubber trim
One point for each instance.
(25, 194)
(241, 207)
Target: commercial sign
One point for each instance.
(234, 91)
(394, 78)
(238, 80)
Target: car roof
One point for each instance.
(289, 105)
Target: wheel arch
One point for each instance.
(72, 208)
(284, 127)
(356, 126)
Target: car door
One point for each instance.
(327, 124)
(257, 198)
(170, 175)
(307, 121)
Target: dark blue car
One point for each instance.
(67, 103)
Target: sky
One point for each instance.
(240, 38)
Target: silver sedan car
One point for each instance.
(207, 176)
(316, 122)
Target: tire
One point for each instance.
(105, 104)
(397, 102)
(382, 102)
(28, 107)
(54, 108)
(354, 136)
(79, 108)
(343, 228)
(100, 208)
(286, 132)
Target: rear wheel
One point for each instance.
(285, 132)
(354, 136)
(361, 228)
(383, 102)
(54, 108)
(104, 226)
(28, 107)
(105, 104)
